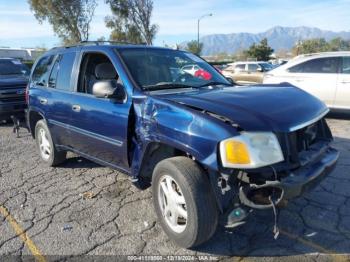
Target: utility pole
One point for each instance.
(198, 21)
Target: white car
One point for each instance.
(324, 75)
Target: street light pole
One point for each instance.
(199, 19)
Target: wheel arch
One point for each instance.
(33, 118)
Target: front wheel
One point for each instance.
(184, 202)
(47, 149)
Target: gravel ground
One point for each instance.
(81, 208)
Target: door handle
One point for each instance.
(299, 80)
(76, 108)
(345, 82)
(43, 101)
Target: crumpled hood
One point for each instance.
(256, 108)
(13, 81)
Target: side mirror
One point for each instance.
(109, 89)
(259, 69)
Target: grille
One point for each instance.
(300, 140)
(20, 98)
(12, 86)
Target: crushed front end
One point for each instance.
(307, 158)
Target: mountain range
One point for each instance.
(278, 38)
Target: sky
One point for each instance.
(177, 19)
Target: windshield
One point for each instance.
(154, 69)
(266, 66)
(13, 67)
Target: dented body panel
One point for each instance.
(162, 121)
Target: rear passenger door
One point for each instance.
(49, 89)
(342, 98)
(254, 75)
(240, 73)
(60, 99)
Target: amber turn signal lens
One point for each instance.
(237, 152)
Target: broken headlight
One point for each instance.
(251, 150)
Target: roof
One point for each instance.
(248, 62)
(110, 44)
(323, 54)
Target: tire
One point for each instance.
(48, 152)
(190, 183)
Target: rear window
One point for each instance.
(13, 67)
(42, 69)
(327, 65)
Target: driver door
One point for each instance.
(99, 126)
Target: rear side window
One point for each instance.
(346, 65)
(240, 67)
(54, 73)
(63, 81)
(42, 69)
(327, 65)
(252, 67)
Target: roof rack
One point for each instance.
(98, 42)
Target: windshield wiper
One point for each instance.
(215, 84)
(165, 86)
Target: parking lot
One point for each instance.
(81, 208)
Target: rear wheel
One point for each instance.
(48, 152)
(184, 202)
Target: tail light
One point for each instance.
(26, 95)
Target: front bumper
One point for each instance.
(296, 183)
(308, 177)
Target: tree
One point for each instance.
(193, 47)
(70, 20)
(339, 44)
(321, 45)
(311, 46)
(131, 21)
(261, 51)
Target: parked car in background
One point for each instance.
(220, 68)
(324, 75)
(207, 148)
(203, 74)
(190, 69)
(13, 81)
(247, 73)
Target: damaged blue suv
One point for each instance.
(211, 151)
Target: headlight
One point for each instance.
(251, 150)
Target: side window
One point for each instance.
(54, 72)
(252, 67)
(240, 67)
(41, 72)
(66, 63)
(328, 65)
(346, 65)
(96, 67)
